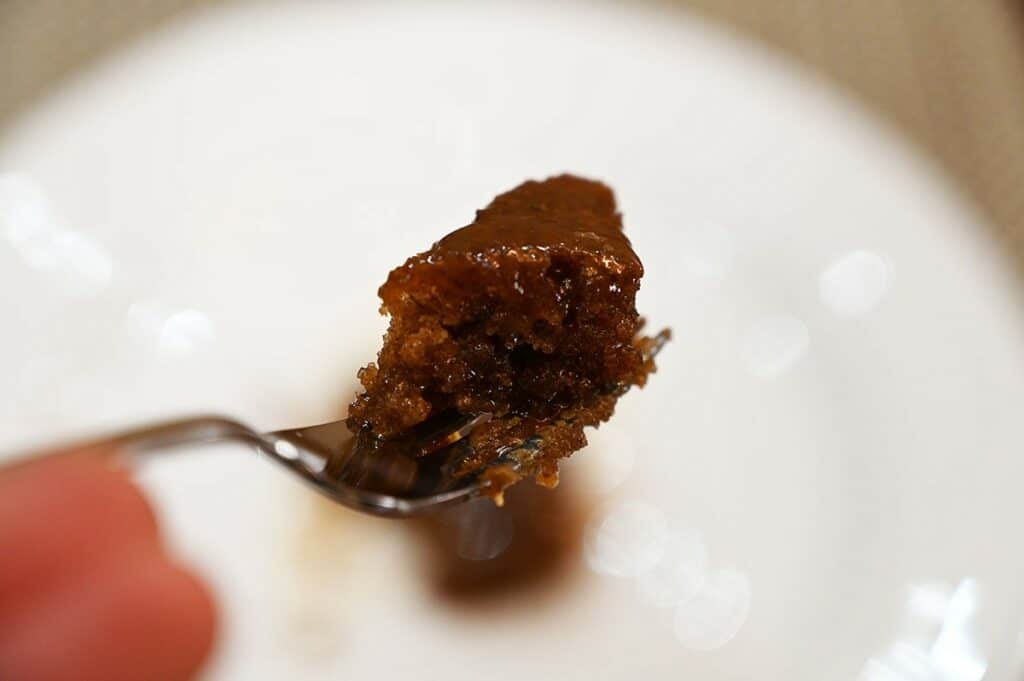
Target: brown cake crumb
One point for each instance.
(528, 314)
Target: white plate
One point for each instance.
(200, 223)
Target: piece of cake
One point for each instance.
(527, 314)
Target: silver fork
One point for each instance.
(414, 475)
(395, 482)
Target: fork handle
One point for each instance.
(164, 435)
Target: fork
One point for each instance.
(411, 476)
(400, 481)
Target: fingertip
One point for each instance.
(145, 618)
(189, 616)
(90, 485)
(60, 516)
(167, 619)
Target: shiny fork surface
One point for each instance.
(327, 457)
(395, 481)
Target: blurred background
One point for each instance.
(949, 73)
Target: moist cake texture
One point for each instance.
(528, 313)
